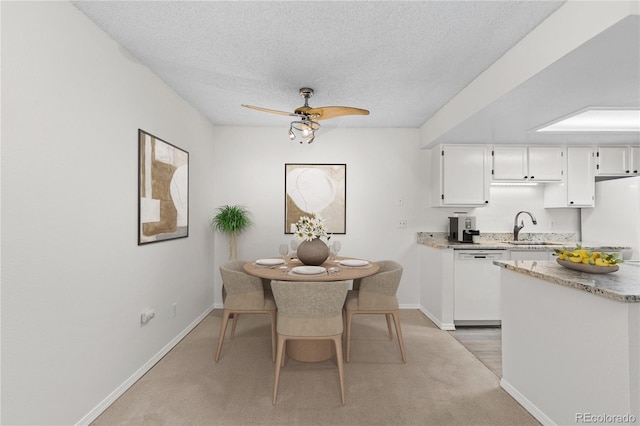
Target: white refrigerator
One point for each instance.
(615, 219)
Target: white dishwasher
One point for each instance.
(476, 282)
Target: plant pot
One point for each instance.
(313, 252)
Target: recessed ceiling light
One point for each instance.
(597, 120)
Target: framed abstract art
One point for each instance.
(319, 189)
(163, 190)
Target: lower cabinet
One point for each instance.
(462, 287)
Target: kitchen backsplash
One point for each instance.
(425, 237)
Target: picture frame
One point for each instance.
(319, 189)
(163, 190)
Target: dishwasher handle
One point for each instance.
(481, 256)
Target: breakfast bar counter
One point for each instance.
(622, 285)
(571, 341)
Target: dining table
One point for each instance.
(289, 268)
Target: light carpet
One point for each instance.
(442, 383)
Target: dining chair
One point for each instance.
(376, 294)
(309, 311)
(244, 294)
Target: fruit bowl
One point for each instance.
(591, 269)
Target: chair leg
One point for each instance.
(284, 353)
(338, 342)
(233, 327)
(396, 320)
(347, 335)
(388, 316)
(223, 330)
(272, 315)
(281, 341)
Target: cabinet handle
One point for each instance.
(532, 177)
(570, 202)
(525, 177)
(627, 171)
(486, 202)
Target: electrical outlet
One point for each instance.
(146, 316)
(552, 224)
(402, 223)
(175, 309)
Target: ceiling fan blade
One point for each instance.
(273, 111)
(324, 113)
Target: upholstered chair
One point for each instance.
(244, 294)
(376, 294)
(309, 311)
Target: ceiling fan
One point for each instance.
(309, 117)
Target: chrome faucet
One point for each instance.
(517, 228)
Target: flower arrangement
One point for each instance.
(308, 228)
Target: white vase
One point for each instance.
(313, 252)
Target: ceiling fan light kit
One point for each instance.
(306, 126)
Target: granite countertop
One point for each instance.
(622, 285)
(499, 241)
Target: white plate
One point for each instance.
(269, 262)
(308, 270)
(353, 262)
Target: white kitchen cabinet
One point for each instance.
(460, 175)
(532, 163)
(617, 160)
(579, 188)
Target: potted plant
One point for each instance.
(312, 250)
(231, 220)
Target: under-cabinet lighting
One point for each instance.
(514, 183)
(597, 120)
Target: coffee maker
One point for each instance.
(462, 229)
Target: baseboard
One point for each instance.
(117, 393)
(409, 306)
(436, 321)
(528, 405)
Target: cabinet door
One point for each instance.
(546, 163)
(510, 163)
(581, 184)
(635, 160)
(579, 188)
(613, 161)
(465, 177)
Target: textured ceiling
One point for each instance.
(401, 60)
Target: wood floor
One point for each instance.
(483, 342)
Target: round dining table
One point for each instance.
(334, 270)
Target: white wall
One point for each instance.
(382, 166)
(74, 281)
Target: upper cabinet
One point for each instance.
(460, 175)
(579, 188)
(533, 163)
(618, 161)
